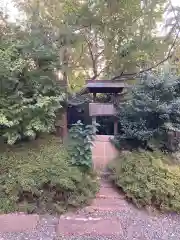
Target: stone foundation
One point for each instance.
(103, 151)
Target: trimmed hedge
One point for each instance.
(148, 179)
(39, 177)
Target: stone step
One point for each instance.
(76, 226)
(105, 174)
(106, 183)
(108, 192)
(18, 222)
(108, 204)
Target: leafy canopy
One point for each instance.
(102, 39)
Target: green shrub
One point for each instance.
(30, 95)
(150, 114)
(148, 179)
(79, 143)
(40, 178)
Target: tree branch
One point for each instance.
(93, 59)
(147, 69)
(153, 66)
(160, 62)
(81, 54)
(101, 71)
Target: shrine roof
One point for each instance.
(105, 86)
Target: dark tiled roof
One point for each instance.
(105, 84)
(99, 86)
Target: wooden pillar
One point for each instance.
(64, 125)
(94, 123)
(94, 118)
(94, 97)
(115, 126)
(115, 118)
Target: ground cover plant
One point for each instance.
(148, 179)
(38, 177)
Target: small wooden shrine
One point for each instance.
(104, 109)
(96, 108)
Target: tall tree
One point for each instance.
(103, 39)
(30, 94)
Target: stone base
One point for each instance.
(18, 222)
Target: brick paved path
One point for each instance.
(109, 217)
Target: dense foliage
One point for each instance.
(79, 39)
(102, 39)
(80, 143)
(38, 177)
(147, 179)
(30, 95)
(151, 115)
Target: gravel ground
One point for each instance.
(139, 225)
(136, 225)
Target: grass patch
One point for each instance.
(38, 177)
(148, 179)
